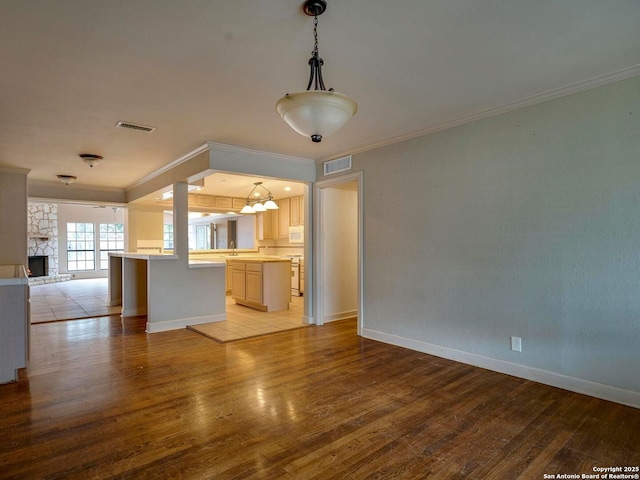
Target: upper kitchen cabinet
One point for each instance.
(268, 224)
(274, 224)
(295, 211)
(283, 217)
(215, 202)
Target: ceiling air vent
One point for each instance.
(133, 126)
(338, 165)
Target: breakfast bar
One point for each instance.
(171, 293)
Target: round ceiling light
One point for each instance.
(67, 179)
(91, 159)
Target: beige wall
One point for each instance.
(13, 217)
(143, 222)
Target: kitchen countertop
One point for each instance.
(259, 259)
(144, 256)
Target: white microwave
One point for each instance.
(296, 234)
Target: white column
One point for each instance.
(181, 221)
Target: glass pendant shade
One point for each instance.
(271, 205)
(247, 209)
(258, 207)
(316, 113)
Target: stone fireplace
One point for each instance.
(42, 225)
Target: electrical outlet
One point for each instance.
(516, 344)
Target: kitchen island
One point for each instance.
(171, 293)
(263, 283)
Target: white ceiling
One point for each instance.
(212, 71)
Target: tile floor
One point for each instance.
(87, 298)
(245, 322)
(70, 300)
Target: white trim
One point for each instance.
(153, 327)
(320, 246)
(578, 385)
(19, 171)
(223, 147)
(183, 158)
(553, 94)
(307, 319)
(340, 316)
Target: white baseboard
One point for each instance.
(598, 390)
(340, 316)
(307, 319)
(153, 327)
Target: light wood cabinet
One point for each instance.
(301, 277)
(294, 211)
(229, 280)
(283, 217)
(253, 288)
(238, 280)
(223, 202)
(215, 202)
(301, 210)
(268, 224)
(204, 201)
(274, 224)
(263, 285)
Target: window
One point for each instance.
(168, 236)
(81, 251)
(111, 240)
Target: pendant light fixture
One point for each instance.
(255, 198)
(319, 112)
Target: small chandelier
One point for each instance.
(255, 199)
(319, 112)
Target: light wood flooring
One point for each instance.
(105, 400)
(86, 298)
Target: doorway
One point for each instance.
(339, 238)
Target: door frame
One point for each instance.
(320, 246)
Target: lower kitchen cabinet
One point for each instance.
(261, 284)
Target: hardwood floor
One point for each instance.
(105, 400)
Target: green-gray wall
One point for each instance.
(524, 224)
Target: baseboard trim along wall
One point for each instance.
(153, 327)
(577, 385)
(340, 316)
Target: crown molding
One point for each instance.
(168, 166)
(15, 170)
(223, 147)
(600, 81)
